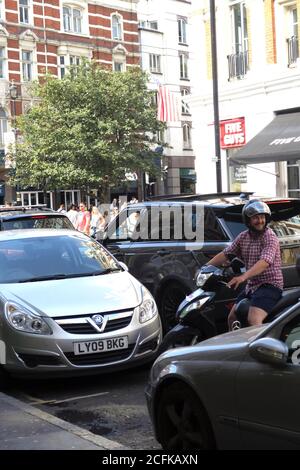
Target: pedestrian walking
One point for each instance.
(83, 219)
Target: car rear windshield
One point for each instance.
(37, 221)
(285, 220)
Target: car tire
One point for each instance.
(182, 421)
(171, 297)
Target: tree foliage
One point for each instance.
(87, 130)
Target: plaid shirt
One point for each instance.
(250, 248)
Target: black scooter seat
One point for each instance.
(289, 297)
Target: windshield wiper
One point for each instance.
(53, 277)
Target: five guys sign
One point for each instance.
(232, 133)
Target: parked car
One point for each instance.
(24, 217)
(68, 307)
(234, 391)
(153, 242)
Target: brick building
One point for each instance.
(39, 36)
(259, 85)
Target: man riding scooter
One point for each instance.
(258, 247)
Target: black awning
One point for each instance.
(278, 141)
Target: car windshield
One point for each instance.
(44, 258)
(37, 221)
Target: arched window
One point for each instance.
(116, 22)
(187, 137)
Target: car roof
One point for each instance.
(17, 212)
(39, 233)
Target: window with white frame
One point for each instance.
(27, 65)
(183, 61)
(2, 10)
(185, 109)
(116, 22)
(67, 61)
(3, 125)
(2, 62)
(61, 66)
(182, 37)
(154, 63)
(72, 19)
(118, 66)
(292, 39)
(187, 135)
(239, 27)
(24, 11)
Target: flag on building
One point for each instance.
(168, 105)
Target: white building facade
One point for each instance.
(165, 39)
(258, 79)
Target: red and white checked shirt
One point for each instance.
(250, 248)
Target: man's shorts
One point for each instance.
(265, 297)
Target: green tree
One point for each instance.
(87, 130)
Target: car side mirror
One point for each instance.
(123, 265)
(270, 351)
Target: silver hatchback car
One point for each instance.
(68, 307)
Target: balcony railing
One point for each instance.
(293, 50)
(238, 65)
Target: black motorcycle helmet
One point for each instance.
(255, 207)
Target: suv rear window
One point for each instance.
(37, 221)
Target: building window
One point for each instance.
(154, 61)
(183, 60)
(182, 39)
(3, 126)
(292, 40)
(2, 10)
(187, 136)
(293, 179)
(116, 27)
(185, 109)
(24, 11)
(61, 66)
(72, 19)
(118, 66)
(27, 65)
(2, 62)
(238, 61)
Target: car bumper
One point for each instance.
(54, 355)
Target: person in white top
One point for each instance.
(72, 214)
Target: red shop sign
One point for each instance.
(232, 133)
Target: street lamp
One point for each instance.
(214, 63)
(13, 95)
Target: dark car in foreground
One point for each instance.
(155, 239)
(25, 217)
(239, 390)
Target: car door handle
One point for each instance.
(164, 252)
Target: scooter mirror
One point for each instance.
(237, 265)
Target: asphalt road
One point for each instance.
(110, 405)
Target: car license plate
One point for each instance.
(101, 345)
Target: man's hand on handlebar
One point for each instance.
(237, 280)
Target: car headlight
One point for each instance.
(202, 278)
(147, 309)
(24, 320)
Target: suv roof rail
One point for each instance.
(200, 197)
(24, 208)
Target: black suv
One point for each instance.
(155, 240)
(23, 217)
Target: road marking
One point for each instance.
(34, 401)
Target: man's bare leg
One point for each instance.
(256, 316)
